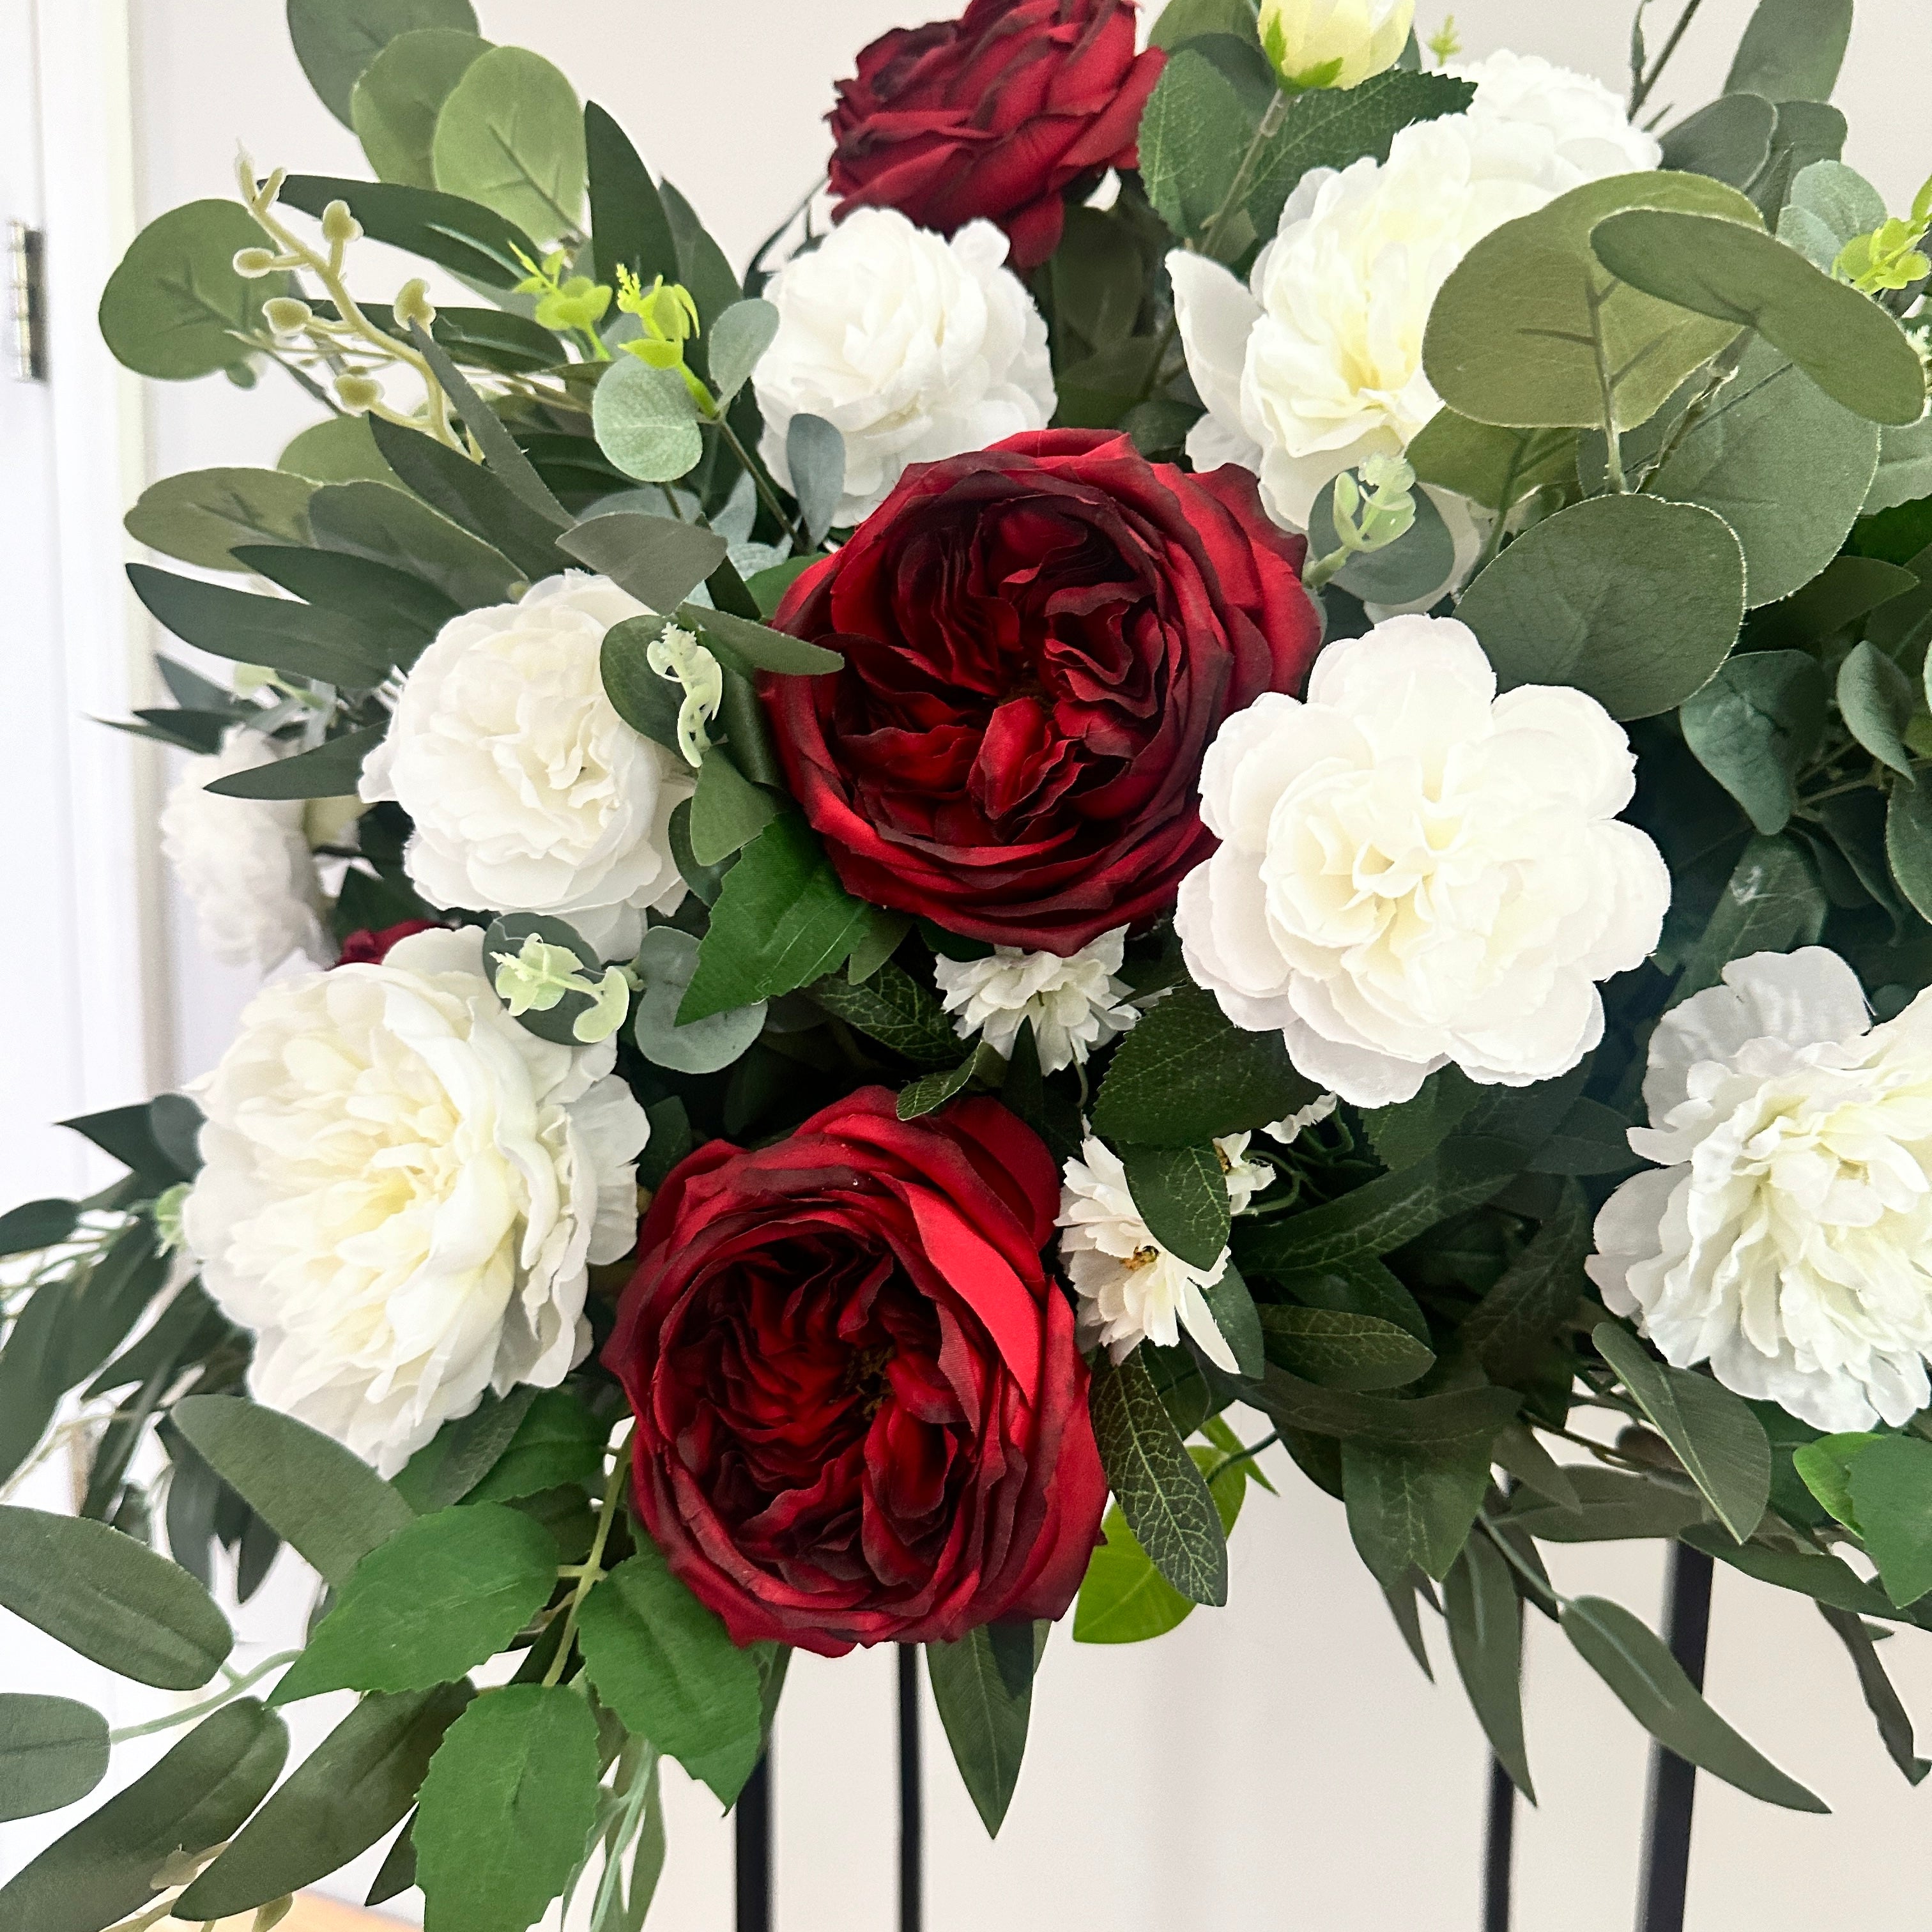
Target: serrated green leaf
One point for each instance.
(889, 1005)
(557, 1441)
(929, 1095)
(1181, 1193)
(1124, 1598)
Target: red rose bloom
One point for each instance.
(1041, 640)
(993, 116)
(861, 1415)
(366, 946)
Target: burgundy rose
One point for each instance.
(993, 116)
(1041, 640)
(366, 946)
(861, 1415)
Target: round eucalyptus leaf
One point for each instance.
(202, 514)
(395, 103)
(667, 961)
(342, 450)
(506, 936)
(646, 421)
(336, 41)
(174, 307)
(1729, 140)
(1417, 566)
(739, 337)
(1908, 843)
(1755, 726)
(1633, 599)
(511, 136)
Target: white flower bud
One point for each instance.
(412, 304)
(256, 262)
(339, 227)
(1333, 43)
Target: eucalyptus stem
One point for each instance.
(755, 470)
(593, 1563)
(1548, 1599)
(227, 1696)
(1643, 84)
(1244, 174)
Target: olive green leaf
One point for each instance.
(174, 308)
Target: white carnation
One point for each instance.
(913, 346)
(403, 1191)
(1317, 364)
(1785, 1236)
(529, 793)
(1415, 872)
(243, 862)
(1074, 1002)
(1131, 1289)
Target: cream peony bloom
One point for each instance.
(404, 1190)
(914, 346)
(1317, 364)
(1076, 1003)
(244, 863)
(1131, 1289)
(1415, 871)
(1785, 1236)
(529, 794)
(1333, 43)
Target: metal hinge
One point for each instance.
(27, 279)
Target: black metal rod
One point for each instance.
(1673, 1783)
(912, 1798)
(1499, 1852)
(753, 1847)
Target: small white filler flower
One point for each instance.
(1076, 1003)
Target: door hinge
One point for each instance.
(27, 279)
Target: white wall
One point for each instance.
(1280, 1765)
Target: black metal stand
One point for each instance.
(1499, 1850)
(912, 1800)
(754, 1845)
(1666, 1854)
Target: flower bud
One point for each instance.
(255, 262)
(358, 393)
(412, 304)
(1313, 43)
(286, 316)
(339, 227)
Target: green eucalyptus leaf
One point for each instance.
(338, 41)
(330, 771)
(470, 496)
(1876, 700)
(815, 461)
(293, 638)
(1419, 564)
(510, 136)
(1612, 1508)
(1772, 903)
(400, 614)
(1729, 140)
(1513, 1320)
(1756, 726)
(1891, 1485)
(1485, 1619)
(390, 526)
(1893, 1722)
(1807, 132)
(201, 515)
(35, 1224)
(174, 307)
(658, 560)
(738, 338)
(667, 961)
(1823, 1579)
(341, 450)
(646, 421)
(982, 1685)
(1791, 50)
(1490, 465)
(395, 103)
(52, 1753)
(1904, 474)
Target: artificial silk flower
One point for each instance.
(1315, 365)
(1074, 1002)
(528, 792)
(403, 1192)
(1291, 1127)
(1785, 1235)
(912, 347)
(1333, 43)
(1414, 872)
(1131, 1289)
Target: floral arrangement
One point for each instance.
(1230, 762)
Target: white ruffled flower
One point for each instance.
(403, 1191)
(1317, 364)
(913, 346)
(529, 793)
(1131, 1289)
(244, 863)
(1415, 871)
(1785, 1236)
(1074, 1002)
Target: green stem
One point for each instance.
(1267, 1442)
(1547, 1598)
(593, 1563)
(1641, 91)
(1613, 453)
(194, 1711)
(1237, 189)
(755, 470)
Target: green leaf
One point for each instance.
(1192, 132)
(111, 1599)
(748, 648)
(1904, 473)
(504, 939)
(1124, 1598)
(1838, 197)
(1720, 1443)
(175, 306)
(557, 1441)
(738, 338)
(1343, 1350)
(1741, 277)
(1636, 1663)
(473, 241)
(646, 421)
(1823, 1579)
(1756, 726)
(1613, 1508)
(196, 1797)
(394, 102)
(658, 560)
(447, 1591)
(1187, 1073)
(1485, 1619)
(1729, 140)
(292, 638)
(1412, 1130)
(341, 450)
(1791, 50)
(1516, 332)
(627, 222)
(1445, 1421)
(650, 704)
(510, 1798)
(702, 266)
(1359, 1285)
(727, 811)
(782, 921)
(1908, 843)
(815, 460)
(1181, 1193)
(337, 41)
(471, 496)
(1411, 1506)
(462, 1453)
(330, 771)
(512, 344)
(983, 1687)
(1892, 1491)
(1876, 700)
(928, 1095)
(390, 526)
(511, 136)
(1162, 1493)
(893, 1008)
(1492, 465)
(35, 1224)
(1593, 1139)
(668, 962)
(52, 1753)
(1418, 564)
(1825, 1467)
(664, 1664)
(1544, 1282)
(1519, 1450)
(400, 613)
(357, 1784)
(1183, 20)
(1895, 1723)
(1634, 600)
(1237, 1320)
(1771, 904)
(1769, 423)
(201, 515)
(1807, 132)
(322, 1499)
